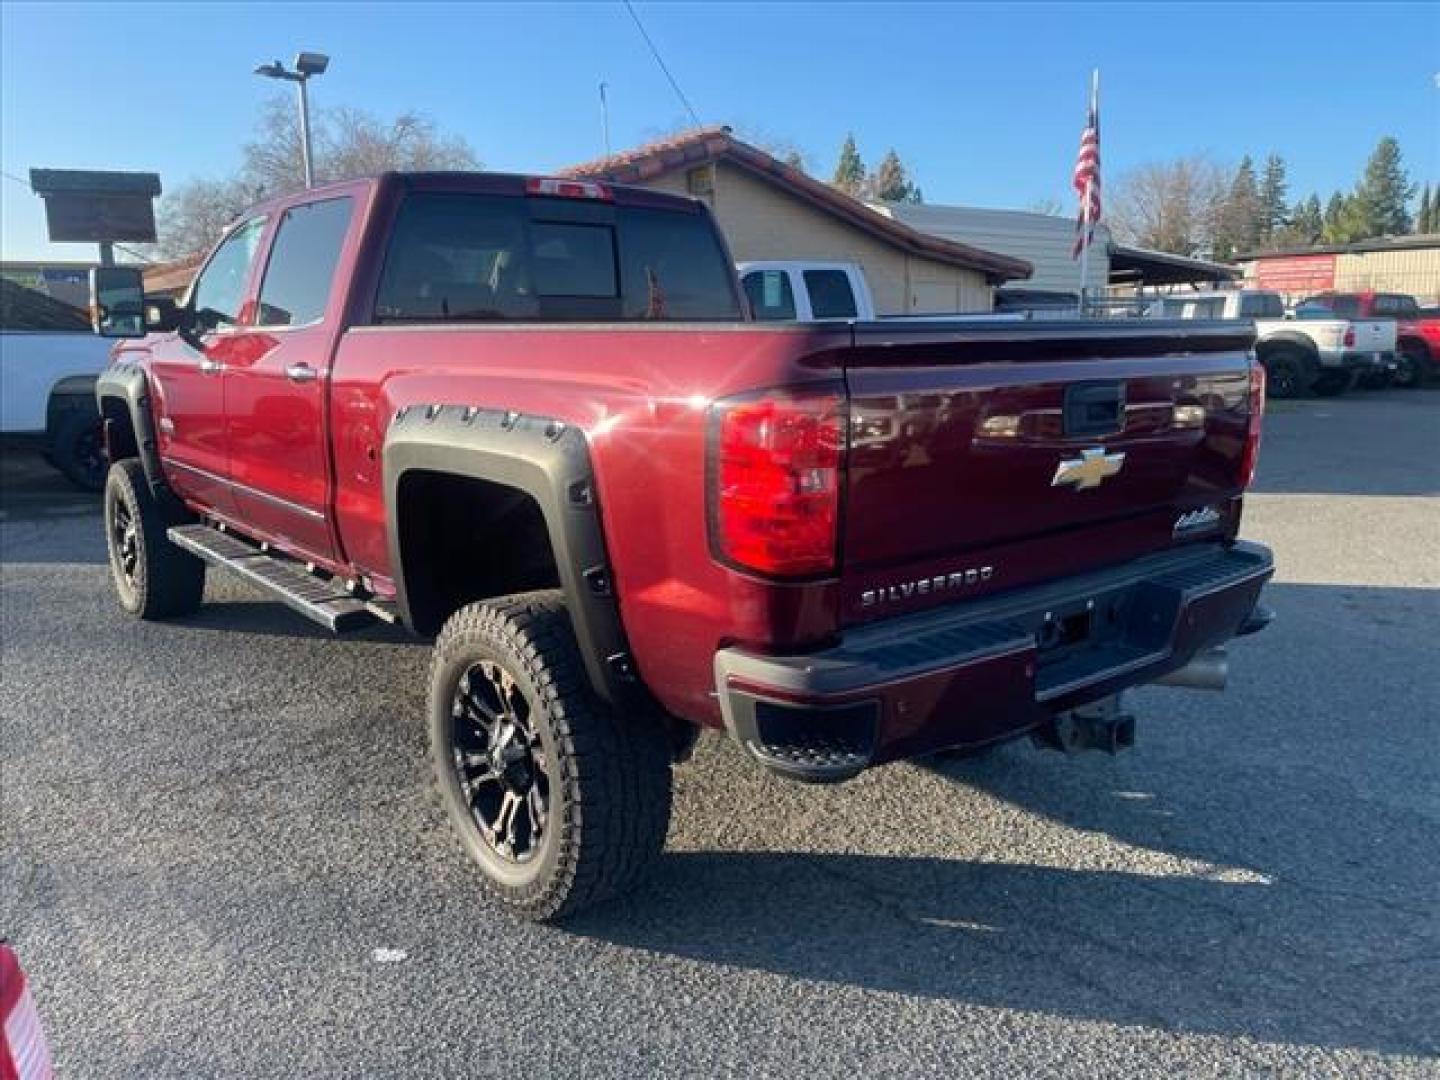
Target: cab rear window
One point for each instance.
(459, 257)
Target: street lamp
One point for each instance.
(307, 64)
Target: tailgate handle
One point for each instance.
(1094, 408)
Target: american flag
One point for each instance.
(1087, 174)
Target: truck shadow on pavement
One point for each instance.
(1260, 866)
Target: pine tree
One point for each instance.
(1307, 222)
(849, 170)
(1344, 220)
(1272, 198)
(1384, 192)
(1237, 225)
(889, 182)
(1423, 220)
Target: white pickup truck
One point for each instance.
(49, 358)
(811, 290)
(1304, 351)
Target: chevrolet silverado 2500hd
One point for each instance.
(530, 418)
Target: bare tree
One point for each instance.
(1169, 206)
(348, 143)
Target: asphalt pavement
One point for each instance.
(221, 858)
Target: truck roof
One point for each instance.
(484, 183)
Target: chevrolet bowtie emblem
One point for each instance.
(1089, 470)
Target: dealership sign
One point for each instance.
(83, 205)
(1296, 273)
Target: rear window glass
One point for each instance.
(830, 295)
(1261, 306)
(771, 298)
(456, 257)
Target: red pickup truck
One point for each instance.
(533, 419)
(1417, 329)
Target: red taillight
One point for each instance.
(1251, 455)
(775, 483)
(1349, 336)
(567, 189)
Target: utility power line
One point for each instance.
(660, 60)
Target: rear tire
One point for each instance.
(560, 800)
(1288, 373)
(153, 578)
(78, 451)
(1412, 368)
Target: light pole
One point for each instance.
(307, 64)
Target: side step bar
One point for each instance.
(321, 601)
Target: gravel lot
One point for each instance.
(220, 856)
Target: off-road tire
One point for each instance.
(77, 450)
(608, 774)
(153, 578)
(1413, 369)
(1288, 374)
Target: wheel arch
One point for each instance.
(122, 394)
(1286, 339)
(547, 463)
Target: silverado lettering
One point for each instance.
(534, 421)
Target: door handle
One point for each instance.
(211, 367)
(301, 373)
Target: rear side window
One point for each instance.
(830, 294)
(1397, 306)
(1347, 307)
(1261, 306)
(771, 298)
(456, 257)
(302, 263)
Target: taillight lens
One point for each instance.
(1251, 456)
(1349, 336)
(775, 483)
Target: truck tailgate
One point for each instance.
(984, 455)
(1373, 335)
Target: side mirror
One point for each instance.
(117, 301)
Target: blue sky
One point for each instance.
(984, 103)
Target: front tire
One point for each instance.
(560, 800)
(153, 578)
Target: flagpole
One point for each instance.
(1085, 207)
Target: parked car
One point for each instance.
(1305, 351)
(1417, 329)
(49, 358)
(24, 1054)
(530, 418)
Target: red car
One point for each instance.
(23, 1052)
(1417, 329)
(533, 419)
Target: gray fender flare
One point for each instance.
(549, 461)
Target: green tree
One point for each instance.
(1344, 220)
(1273, 207)
(849, 170)
(1237, 220)
(890, 182)
(1384, 192)
(1307, 222)
(1424, 220)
